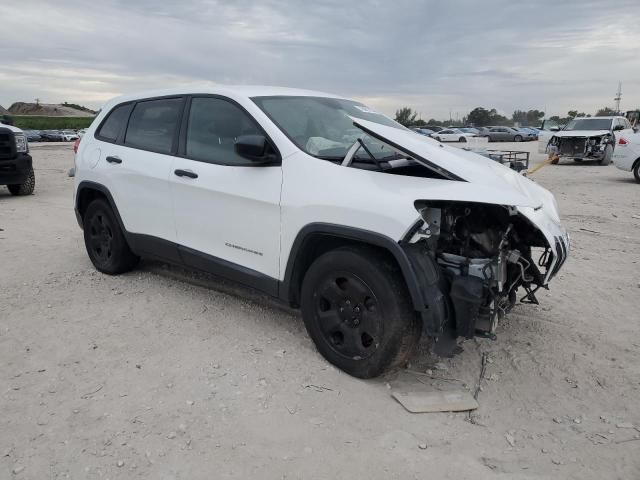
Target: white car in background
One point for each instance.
(627, 154)
(69, 135)
(452, 135)
(585, 138)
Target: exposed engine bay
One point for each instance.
(484, 255)
(581, 147)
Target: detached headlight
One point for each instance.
(21, 143)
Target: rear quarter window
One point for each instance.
(115, 122)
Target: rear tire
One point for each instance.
(462, 140)
(358, 312)
(25, 188)
(104, 240)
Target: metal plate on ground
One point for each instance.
(436, 401)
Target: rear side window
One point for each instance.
(214, 125)
(153, 125)
(115, 123)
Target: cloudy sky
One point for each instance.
(434, 56)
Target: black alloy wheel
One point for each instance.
(358, 312)
(104, 240)
(101, 237)
(350, 321)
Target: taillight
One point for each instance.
(76, 144)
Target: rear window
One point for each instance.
(153, 125)
(115, 123)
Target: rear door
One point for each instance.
(137, 166)
(226, 208)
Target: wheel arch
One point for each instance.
(89, 191)
(316, 239)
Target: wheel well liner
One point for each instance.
(317, 238)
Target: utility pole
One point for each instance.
(618, 97)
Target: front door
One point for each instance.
(226, 208)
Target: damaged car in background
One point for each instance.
(377, 234)
(592, 138)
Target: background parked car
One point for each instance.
(52, 136)
(504, 134)
(472, 130)
(452, 135)
(423, 131)
(626, 156)
(434, 128)
(529, 135)
(69, 135)
(33, 135)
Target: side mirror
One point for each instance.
(554, 129)
(255, 148)
(618, 127)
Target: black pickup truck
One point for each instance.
(16, 168)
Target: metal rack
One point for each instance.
(515, 160)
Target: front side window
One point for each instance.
(115, 123)
(214, 125)
(153, 124)
(323, 127)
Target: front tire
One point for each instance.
(517, 138)
(358, 312)
(608, 155)
(636, 171)
(25, 188)
(462, 140)
(104, 240)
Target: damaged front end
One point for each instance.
(477, 256)
(485, 233)
(581, 147)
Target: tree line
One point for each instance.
(481, 117)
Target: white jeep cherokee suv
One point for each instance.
(378, 234)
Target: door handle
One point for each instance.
(185, 173)
(114, 159)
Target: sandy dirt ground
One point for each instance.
(167, 374)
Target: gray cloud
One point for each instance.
(434, 56)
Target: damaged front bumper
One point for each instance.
(579, 147)
(557, 237)
(467, 291)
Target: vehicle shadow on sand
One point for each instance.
(423, 357)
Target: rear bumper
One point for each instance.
(15, 171)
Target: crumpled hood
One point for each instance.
(491, 182)
(580, 133)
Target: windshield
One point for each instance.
(589, 124)
(322, 126)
